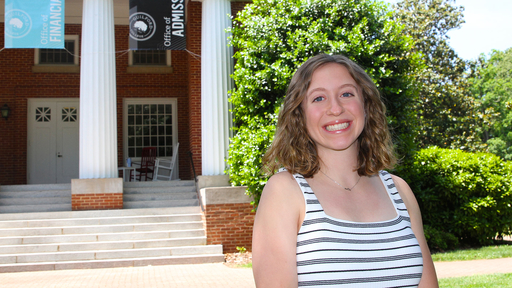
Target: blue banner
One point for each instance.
(34, 24)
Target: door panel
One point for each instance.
(41, 142)
(42, 150)
(52, 132)
(67, 142)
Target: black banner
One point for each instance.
(157, 25)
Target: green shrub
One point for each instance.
(439, 240)
(465, 194)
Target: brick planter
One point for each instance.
(100, 201)
(228, 217)
(96, 194)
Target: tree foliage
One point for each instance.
(448, 116)
(272, 38)
(491, 86)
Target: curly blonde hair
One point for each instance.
(293, 148)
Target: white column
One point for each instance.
(216, 68)
(98, 119)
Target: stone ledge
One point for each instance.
(224, 195)
(96, 186)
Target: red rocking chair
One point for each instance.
(147, 164)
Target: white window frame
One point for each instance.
(75, 38)
(142, 101)
(167, 59)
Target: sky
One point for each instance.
(488, 26)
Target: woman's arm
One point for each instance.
(429, 278)
(278, 219)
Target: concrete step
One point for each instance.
(110, 254)
(100, 213)
(99, 221)
(35, 194)
(151, 190)
(102, 237)
(102, 245)
(35, 187)
(112, 263)
(160, 196)
(147, 184)
(95, 229)
(35, 201)
(160, 203)
(34, 208)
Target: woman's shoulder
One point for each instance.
(282, 181)
(281, 199)
(405, 192)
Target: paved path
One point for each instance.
(473, 267)
(196, 275)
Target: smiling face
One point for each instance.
(333, 109)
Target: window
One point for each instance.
(150, 58)
(149, 123)
(67, 56)
(149, 61)
(58, 60)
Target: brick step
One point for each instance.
(101, 245)
(112, 263)
(99, 221)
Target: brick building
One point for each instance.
(80, 115)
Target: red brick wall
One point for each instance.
(238, 6)
(229, 225)
(194, 79)
(101, 201)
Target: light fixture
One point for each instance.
(5, 111)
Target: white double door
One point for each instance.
(53, 140)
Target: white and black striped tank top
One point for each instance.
(338, 253)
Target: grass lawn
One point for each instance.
(487, 252)
(477, 281)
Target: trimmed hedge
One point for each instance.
(468, 195)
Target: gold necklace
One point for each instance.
(348, 189)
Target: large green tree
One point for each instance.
(273, 38)
(491, 85)
(448, 116)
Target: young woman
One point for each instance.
(334, 217)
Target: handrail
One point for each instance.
(195, 180)
(192, 162)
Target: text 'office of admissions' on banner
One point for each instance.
(157, 25)
(34, 24)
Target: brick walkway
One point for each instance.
(197, 275)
